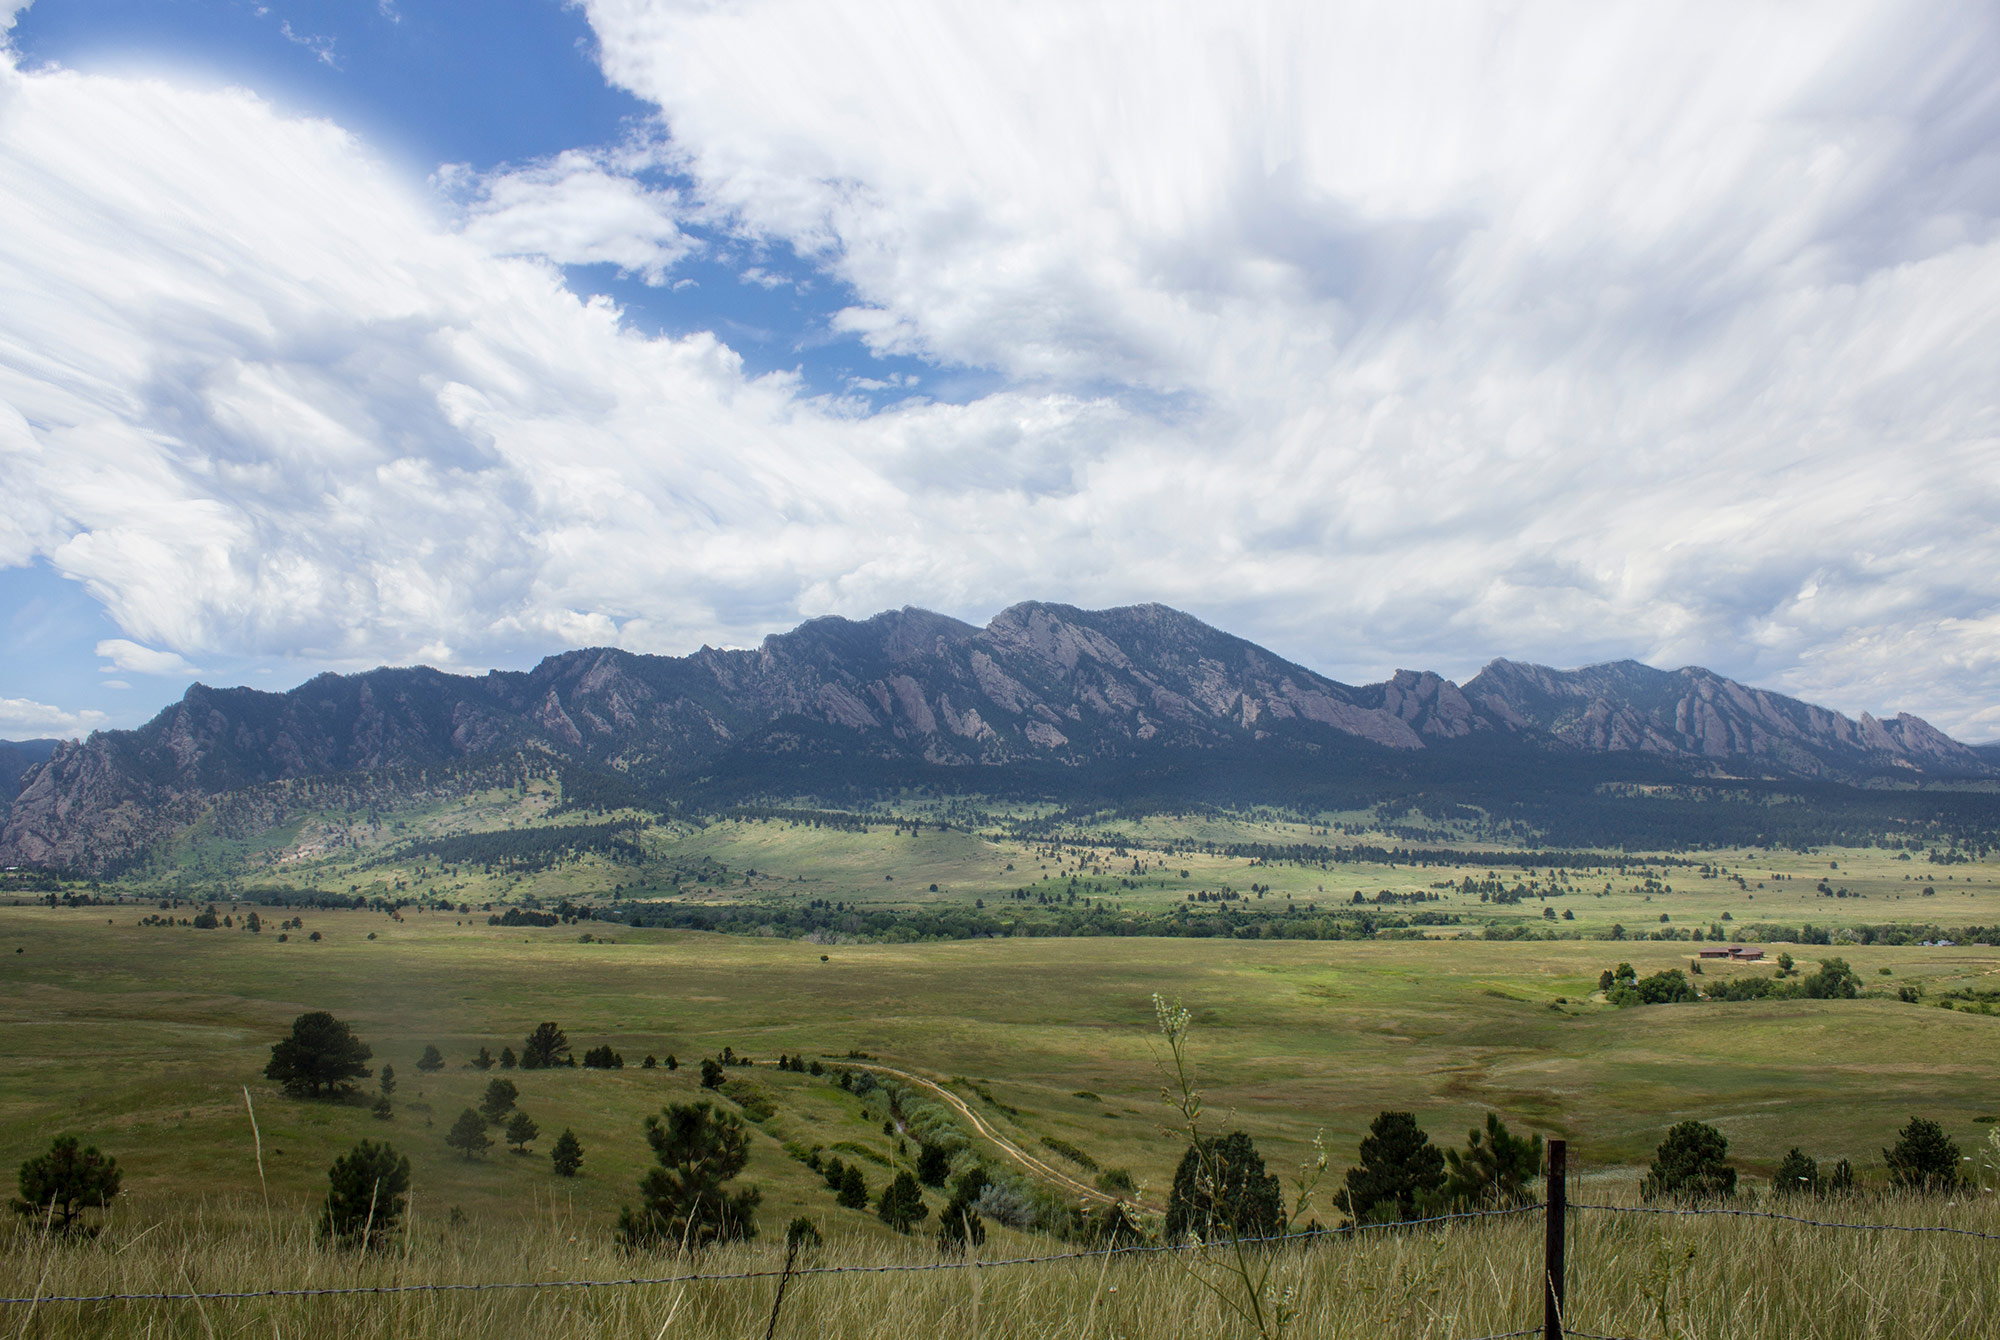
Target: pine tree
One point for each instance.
(1497, 1170)
(547, 1046)
(1924, 1158)
(483, 1061)
(58, 1186)
(853, 1193)
(365, 1200)
(506, 1058)
(468, 1134)
(959, 1225)
(521, 1131)
(1797, 1175)
(567, 1156)
(1222, 1185)
(902, 1206)
(319, 1057)
(685, 1202)
(1691, 1164)
(1399, 1166)
(498, 1100)
(933, 1165)
(431, 1061)
(387, 1080)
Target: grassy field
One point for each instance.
(144, 1039)
(909, 861)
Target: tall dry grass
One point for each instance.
(1730, 1279)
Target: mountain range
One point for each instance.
(1041, 691)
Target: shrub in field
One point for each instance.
(933, 1164)
(959, 1225)
(57, 1187)
(1006, 1203)
(1498, 1169)
(468, 1134)
(1834, 981)
(1112, 1226)
(1221, 1185)
(1840, 1182)
(711, 1073)
(498, 1099)
(521, 1131)
(1797, 1174)
(547, 1046)
(802, 1234)
(651, 1062)
(1924, 1158)
(387, 1080)
(1692, 1163)
(1399, 1168)
(483, 1061)
(1670, 987)
(365, 1201)
(686, 1202)
(506, 1058)
(383, 1109)
(1117, 1182)
(603, 1058)
(431, 1061)
(902, 1206)
(320, 1056)
(567, 1156)
(852, 1194)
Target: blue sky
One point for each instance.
(351, 333)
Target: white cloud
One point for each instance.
(23, 717)
(1404, 336)
(138, 660)
(578, 208)
(1537, 328)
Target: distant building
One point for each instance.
(1740, 953)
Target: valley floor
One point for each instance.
(150, 1042)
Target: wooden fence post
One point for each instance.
(1552, 1252)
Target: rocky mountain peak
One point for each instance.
(1040, 684)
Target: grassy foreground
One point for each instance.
(1730, 1279)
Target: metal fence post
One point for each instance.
(1552, 1251)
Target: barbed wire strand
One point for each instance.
(1134, 1249)
(1790, 1219)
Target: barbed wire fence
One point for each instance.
(1555, 1207)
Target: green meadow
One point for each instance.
(921, 855)
(145, 1039)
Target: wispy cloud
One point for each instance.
(135, 659)
(578, 208)
(321, 47)
(22, 717)
(1401, 336)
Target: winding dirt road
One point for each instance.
(1035, 1165)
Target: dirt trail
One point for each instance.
(1036, 1166)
